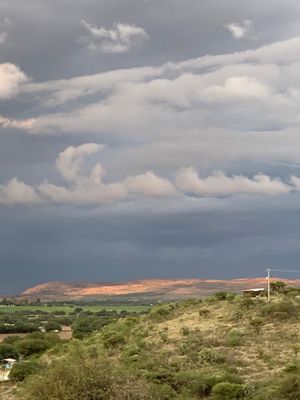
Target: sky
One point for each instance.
(148, 139)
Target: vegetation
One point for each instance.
(225, 347)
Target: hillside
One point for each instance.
(224, 347)
(151, 288)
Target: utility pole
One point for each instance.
(269, 285)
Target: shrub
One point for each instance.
(281, 310)
(114, 339)
(234, 338)
(210, 356)
(78, 376)
(85, 325)
(21, 370)
(8, 351)
(28, 347)
(228, 391)
(278, 287)
(221, 296)
(162, 311)
(11, 339)
(247, 303)
(257, 324)
(191, 345)
(204, 312)
(185, 331)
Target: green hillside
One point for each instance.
(223, 347)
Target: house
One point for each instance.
(254, 292)
(9, 362)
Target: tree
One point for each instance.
(278, 286)
(28, 347)
(8, 351)
(21, 370)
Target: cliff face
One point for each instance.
(154, 288)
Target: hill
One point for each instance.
(223, 347)
(147, 289)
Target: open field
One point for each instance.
(69, 309)
(64, 334)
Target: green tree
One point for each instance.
(28, 347)
(8, 351)
(21, 370)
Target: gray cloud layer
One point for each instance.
(136, 141)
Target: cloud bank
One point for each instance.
(90, 188)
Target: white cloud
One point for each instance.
(17, 192)
(219, 184)
(150, 184)
(240, 31)
(207, 112)
(239, 88)
(25, 124)
(119, 39)
(11, 80)
(89, 188)
(70, 161)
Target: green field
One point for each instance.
(68, 309)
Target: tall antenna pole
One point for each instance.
(269, 286)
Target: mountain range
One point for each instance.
(146, 289)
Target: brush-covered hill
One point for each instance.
(146, 289)
(223, 347)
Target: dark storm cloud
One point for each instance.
(37, 246)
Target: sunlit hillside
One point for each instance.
(223, 347)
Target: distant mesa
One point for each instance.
(148, 288)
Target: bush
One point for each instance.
(78, 376)
(8, 351)
(257, 324)
(234, 338)
(159, 313)
(278, 287)
(28, 347)
(228, 391)
(11, 339)
(221, 296)
(210, 356)
(21, 370)
(84, 326)
(289, 388)
(281, 310)
(191, 345)
(115, 339)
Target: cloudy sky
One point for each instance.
(148, 138)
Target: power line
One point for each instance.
(285, 270)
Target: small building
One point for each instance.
(9, 362)
(6, 368)
(254, 292)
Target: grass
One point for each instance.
(68, 309)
